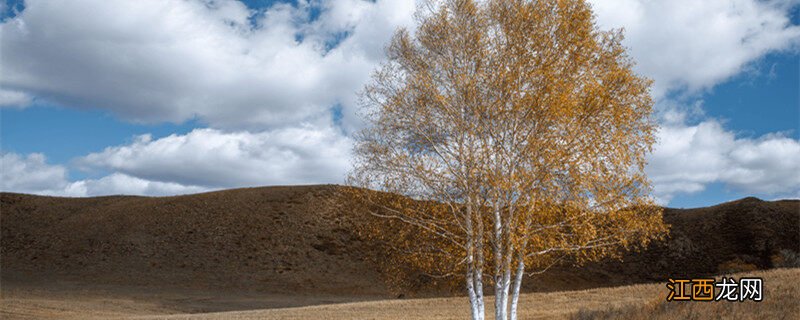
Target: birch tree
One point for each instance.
(517, 133)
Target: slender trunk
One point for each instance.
(506, 281)
(474, 266)
(517, 286)
(478, 271)
(473, 299)
(499, 302)
(501, 299)
(509, 255)
(499, 284)
(481, 307)
(520, 272)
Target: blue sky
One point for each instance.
(229, 94)
(764, 100)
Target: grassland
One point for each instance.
(642, 301)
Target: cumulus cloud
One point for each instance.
(693, 45)
(216, 159)
(689, 157)
(201, 160)
(268, 78)
(218, 61)
(118, 183)
(31, 174)
(11, 98)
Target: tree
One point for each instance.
(523, 130)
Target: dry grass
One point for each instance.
(644, 301)
(781, 301)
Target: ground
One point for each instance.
(642, 301)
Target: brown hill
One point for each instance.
(290, 240)
(742, 235)
(276, 239)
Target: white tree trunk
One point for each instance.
(500, 286)
(474, 303)
(474, 265)
(499, 307)
(481, 307)
(478, 278)
(501, 300)
(517, 286)
(506, 285)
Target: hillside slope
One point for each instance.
(742, 235)
(276, 239)
(290, 240)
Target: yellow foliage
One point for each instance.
(524, 130)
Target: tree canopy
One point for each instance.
(525, 129)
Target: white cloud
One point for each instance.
(201, 160)
(694, 45)
(688, 47)
(215, 159)
(175, 60)
(689, 157)
(11, 98)
(768, 165)
(118, 183)
(31, 174)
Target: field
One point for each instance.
(643, 301)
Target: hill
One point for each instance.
(291, 240)
(742, 235)
(273, 239)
